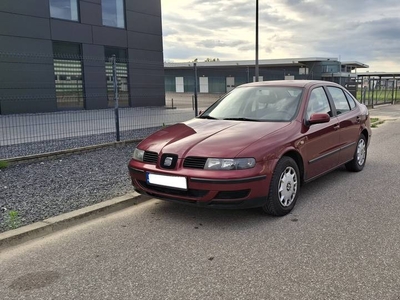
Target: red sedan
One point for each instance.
(255, 147)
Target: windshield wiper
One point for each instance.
(207, 117)
(242, 119)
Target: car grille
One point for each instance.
(150, 157)
(165, 190)
(194, 162)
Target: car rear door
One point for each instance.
(348, 114)
(321, 141)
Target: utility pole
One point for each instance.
(257, 71)
(196, 106)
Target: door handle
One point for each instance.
(336, 127)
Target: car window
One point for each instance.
(257, 103)
(318, 103)
(351, 100)
(339, 99)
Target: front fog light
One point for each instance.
(138, 154)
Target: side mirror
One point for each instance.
(200, 112)
(318, 119)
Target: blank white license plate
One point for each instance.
(177, 182)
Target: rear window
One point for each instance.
(351, 100)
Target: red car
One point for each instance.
(255, 147)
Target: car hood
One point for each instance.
(208, 138)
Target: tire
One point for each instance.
(284, 188)
(360, 156)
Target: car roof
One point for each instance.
(291, 83)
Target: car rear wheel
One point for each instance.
(360, 156)
(284, 188)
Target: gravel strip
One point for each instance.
(45, 189)
(47, 146)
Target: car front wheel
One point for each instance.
(360, 156)
(284, 188)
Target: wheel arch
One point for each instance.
(296, 156)
(366, 135)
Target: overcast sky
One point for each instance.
(367, 31)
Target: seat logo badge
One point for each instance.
(168, 161)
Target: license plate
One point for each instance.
(177, 182)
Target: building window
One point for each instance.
(122, 76)
(68, 75)
(113, 13)
(303, 71)
(64, 9)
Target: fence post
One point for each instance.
(394, 83)
(116, 96)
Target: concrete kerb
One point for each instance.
(40, 229)
(49, 155)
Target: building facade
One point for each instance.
(55, 54)
(222, 76)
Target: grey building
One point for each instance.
(218, 77)
(55, 54)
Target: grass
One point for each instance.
(3, 164)
(375, 122)
(12, 219)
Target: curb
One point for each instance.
(61, 153)
(42, 228)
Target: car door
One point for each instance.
(321, 141)
(348, 115)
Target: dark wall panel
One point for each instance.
(26, 76)
(144, 41)
(90, 13)
(146, 86)
(25, 50)
(24, 26)
(34, 105)
(95, 76)
(110, 36)
(151, 7)
(150, 57)
(144, 23)
(95, 87)
(70, 31)
(93, 55)
(37, 8)
(146, 97)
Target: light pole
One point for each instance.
(257, 71)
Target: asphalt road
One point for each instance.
(341, 242)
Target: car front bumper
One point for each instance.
(213, 191)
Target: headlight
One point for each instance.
(230, 164)
(138, 154)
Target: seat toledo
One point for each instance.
(255, 147)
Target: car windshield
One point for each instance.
(257, 103)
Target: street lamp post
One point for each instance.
(257, 71)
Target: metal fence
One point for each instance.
(38, 133)
(57, 83)
(375, 91)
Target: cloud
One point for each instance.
(366, 30)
